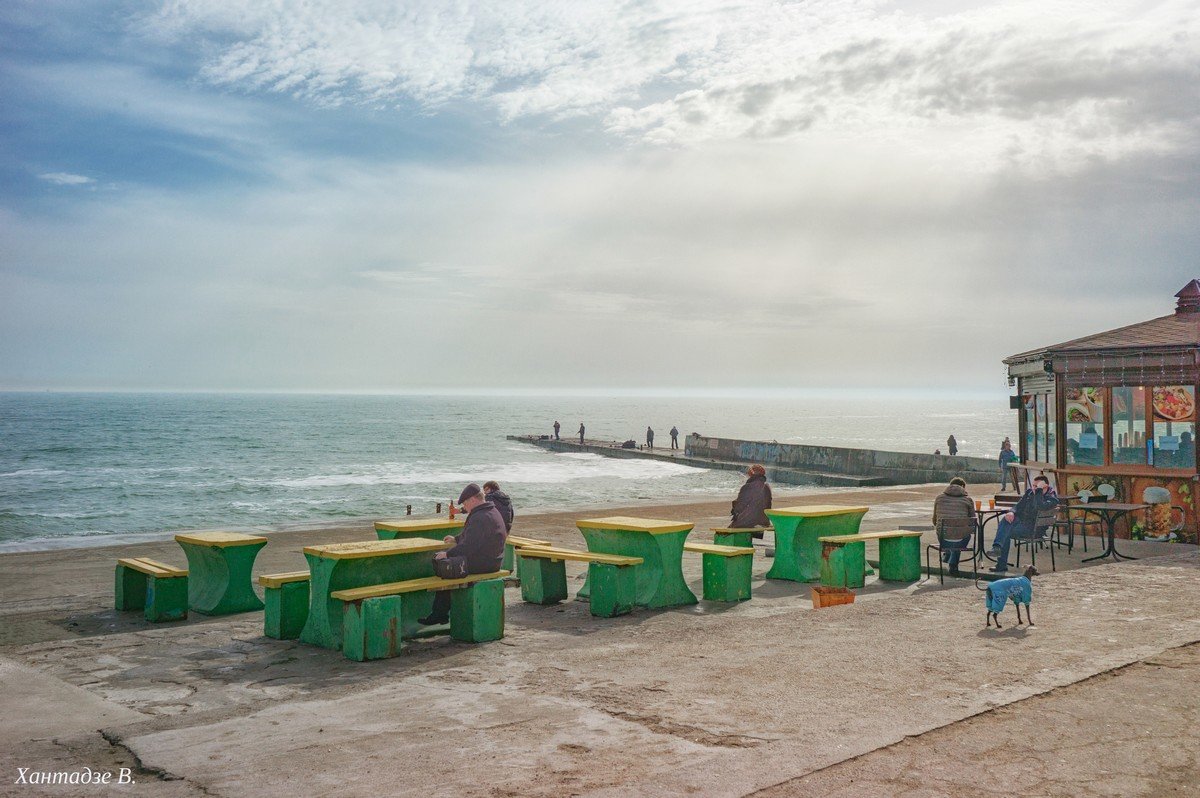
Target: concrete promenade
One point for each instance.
(767, 697)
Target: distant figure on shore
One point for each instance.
(649, 438)
(674, 438)
(954, 502)
(752, 502)
(480, 546)
(493, 494)
(952, 446)
(937, 451)
(581, 433)
(1007, 455)
(556, 428)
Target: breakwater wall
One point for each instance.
(891, 468)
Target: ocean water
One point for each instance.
(78, 469)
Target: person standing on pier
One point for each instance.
(649, 438)
(952, 446)
(1007, 455)
(581, 433)
(674, 438)
(556, 428)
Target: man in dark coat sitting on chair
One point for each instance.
(480, 544)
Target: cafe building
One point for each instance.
(1117, 408)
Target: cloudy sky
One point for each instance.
(358, 195)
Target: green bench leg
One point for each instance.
(130, 588)
(843, 565)
(166, 598)
(371, 628)
(511, 563)
(744, 539)
(543, 581)
(900, 559)
(286, 610)
(614, 589)
(477, 612)
(727, 578)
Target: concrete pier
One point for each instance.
(794, 464)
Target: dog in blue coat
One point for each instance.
(1017, 588)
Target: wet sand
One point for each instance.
(767, 695)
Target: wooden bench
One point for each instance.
(612, 578)
(372, 619)
(735, 536)
(727, 570)
(286, 600)
(899, 552)
(159, 590)
(513, 542)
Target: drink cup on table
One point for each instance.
(991, 504)
(978, 505)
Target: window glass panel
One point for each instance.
(1030, 428)
(1174, 426)
(1085, 423)
(1051, 420)
(1041, 427)
(1129, 425)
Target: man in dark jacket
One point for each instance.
(493, 494)
(952, 446)
(954, 503)
(1022, 519)
(581, 433)
(674, 438)
(649, 438)
(480, 544)
(752, 502)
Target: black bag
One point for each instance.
(450, 567)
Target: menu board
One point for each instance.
(1174, 403)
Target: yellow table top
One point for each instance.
(219, 539)
(895, 533)
(375, 548)
(816, 510)
(418, 524)
(624, 523)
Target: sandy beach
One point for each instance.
(901, 693)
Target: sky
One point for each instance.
(349, 195)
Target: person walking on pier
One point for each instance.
(556, 428)
(674, 438)
(649, 438)
(581, 433)
(952, 446)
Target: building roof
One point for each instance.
(1180, 330)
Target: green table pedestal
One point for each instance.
(797, 550)
(900, 559)
(659, 578)
(219, 578)
(324, 624)
(843, 564)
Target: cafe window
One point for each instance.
(1030, 404)
(1049, 422)
(1040, 404)
(1129, 426)
(1174, 408)
(1085, 426)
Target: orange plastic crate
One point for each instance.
(831, 596)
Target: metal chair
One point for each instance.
(957, 531)
(1070, 523)
(1045, 522)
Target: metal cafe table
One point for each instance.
(219, 565)
(1109, 512)
(431, 528)
(797, 529)
(659, 578)
(340, 566)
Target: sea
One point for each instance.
(99, 468)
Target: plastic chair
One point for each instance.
(957, 531)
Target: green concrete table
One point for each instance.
(797, 529)
(431, 528)
(343, 566)
(219, 565)
(659, 578)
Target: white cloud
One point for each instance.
(1007, 82)
(66, 179)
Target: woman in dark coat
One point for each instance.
(754, 499)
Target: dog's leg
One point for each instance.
(1019, 621)
(988, 624)
(1029, 615)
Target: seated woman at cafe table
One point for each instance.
(480, 546)
(953, 502)
(1021, 519)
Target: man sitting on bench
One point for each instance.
(480, 545)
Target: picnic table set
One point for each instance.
(366, 597)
